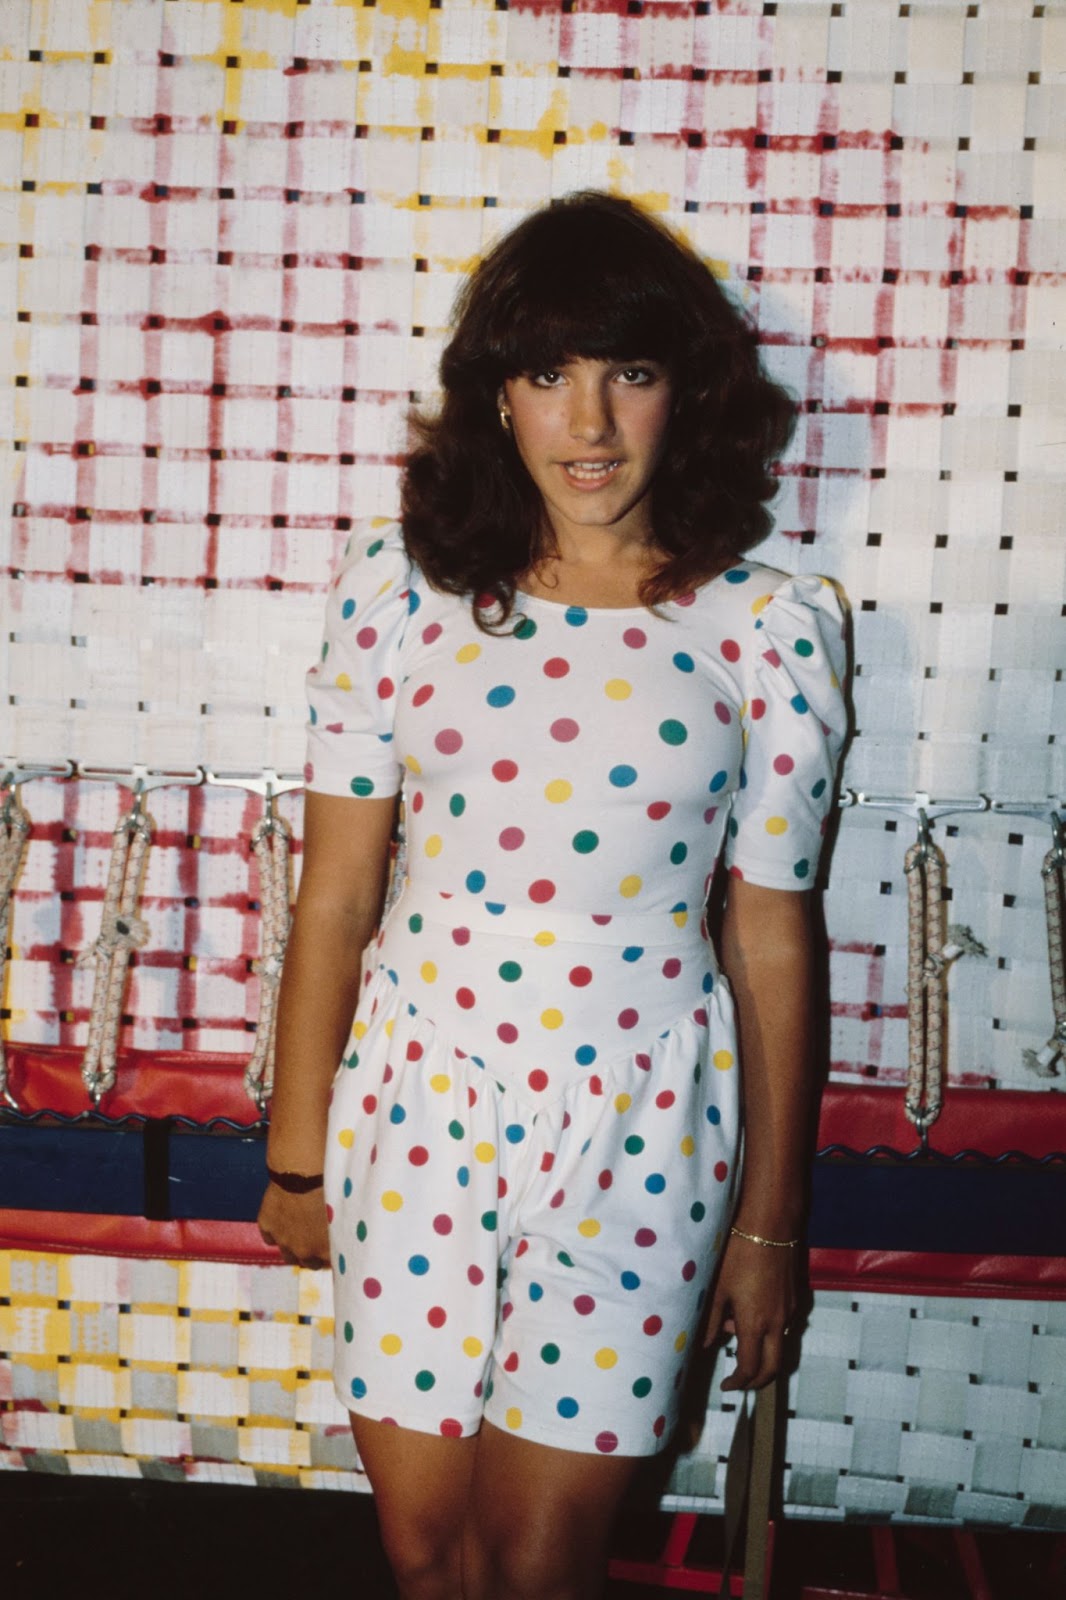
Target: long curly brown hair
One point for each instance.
(592, 276)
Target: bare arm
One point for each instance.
(766, 953)
(342, 885)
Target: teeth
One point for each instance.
(590, 469)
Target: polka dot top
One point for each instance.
(594, 759)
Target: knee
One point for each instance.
(426, 1560)
(531, 1563)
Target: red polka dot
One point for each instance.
(605, 1179)
(730, 650)
(541, 890)
(507, 1033)
(783, 764)
(436, 1316)
(485, 602)
(658, 810)
(556, 667)
(643, 1061)
(511, 1364)
(595, 1085)
(699, 1017)
(505, 771)
(644, 1238)
(386, 688)
(442, 1223)
(606, 1442)
(635, 638)
(512, 839)
(671, 967)
(475, 1275)
(370, 1104)
(628, 1018)
(658, 1427)
(584, 1305)
(418, 800)
(501, 1188)
(329, 1213)
(547, 1161)
(448, 741)
(460, 935)
(366, 638)
(465, 998)
(710, 814)
(685, 600)
(735, 872)
(451, 1429)
(580, 976)
(386, 1076)
(721, 1171)
(665, 1100)
(521, 1248)
(557, 1199)
(431, 632)
(564, 729)
(471, 1095)
(722, 712)
(423, 693)
(688, 1271)
(653, 1325)
(418, 1155)
(758, 709)
(505, 1310)
(538, 1079)
(414, 1051)
(371, 1288)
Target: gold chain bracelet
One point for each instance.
(757, 1238)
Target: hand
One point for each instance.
(754, 1298)
(297, 1225)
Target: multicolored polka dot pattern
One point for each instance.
(533, 1144)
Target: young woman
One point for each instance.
(531, 1160)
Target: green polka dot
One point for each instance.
(585, 841)
(525, 628)
(564, 1259)
(804, 647)
(549, 1353)
(678, 852)
(353, 1060)
(633, 1145)
(457, 804)
(360, 1232)
(488, 1221)
(672, 732)
(415, 922)
(510, 971)
(377, 546)
(456, 1129)
(642, 1387)
(802, 868)
(362, 787)
(349, 1333)
(698, 1212)
(424, 1380)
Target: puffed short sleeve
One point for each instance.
(795, 721)
(351, 690)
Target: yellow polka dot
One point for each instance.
(606, 1358)
(742, 713)
(346, 1138)
(391, 1200)
(544, 938)
(358, 1029)
(630, 886)
(343, 681)
(681, 1341)
(776, 825)
(434, 845)
(389, 1027)
(558, 790)
(688, 1145)
(617, 689)
(680, 918)
(440, 1083)
(468, 652)
(392, 1344)
(484, 1151)
(622, 1102)
(551, 1018)
(760, 604)
(472, 1347)
(413, 764)
(589, 1228)
(723, 1060)
(428, 972)
(513, 1417)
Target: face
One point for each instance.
(591, 434)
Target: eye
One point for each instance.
(636, 375)
(550, 378)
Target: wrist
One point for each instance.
(294, 1182)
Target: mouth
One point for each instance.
(590, 474)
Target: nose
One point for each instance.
(591, 414)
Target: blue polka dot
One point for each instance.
(684, 662)
(413, 602)
(737, 575)
(714, 1116)
(698, 1211)
(514, 1133)
(798, 703)
(630, 1280)
(348, 609)
(819, 789)
(347, 1188)
(576, 616)
(719, 781)
(568, 1406)
(585, 1055)
(463, 1174)
(419, 1265)
(622, 776)
(475, 882)
(495, 908)
(397, 1114)
(632, 952)
(502, 695)
(708, 982)
(358, 1388)
(342, 1265)
(655, 1183)
(313, 716)
(536, 1291)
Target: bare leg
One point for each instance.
(421, 1487)
(539, 1519)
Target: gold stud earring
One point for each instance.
(505, 419)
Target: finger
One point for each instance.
(267, 1238)
(717, 1319)
(749, 1361)
(770, 1366)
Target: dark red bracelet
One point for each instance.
(294, 1182)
